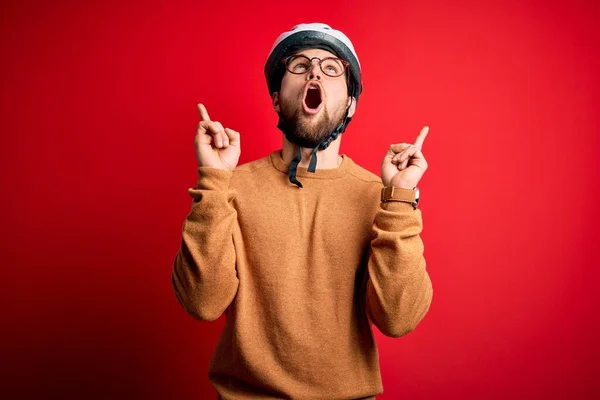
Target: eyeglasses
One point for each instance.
(331, 66)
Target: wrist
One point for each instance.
(403, 185)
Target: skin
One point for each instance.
(402, 166)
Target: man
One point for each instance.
(303, 250)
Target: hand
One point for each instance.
(406, 158)
(216, 147)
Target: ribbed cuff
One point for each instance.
(213, 179)
(399, 216)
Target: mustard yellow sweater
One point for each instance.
(302, 275)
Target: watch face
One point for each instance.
(417, 195)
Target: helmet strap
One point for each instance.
(312, 165)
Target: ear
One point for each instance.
(275, 99)
(352, 108)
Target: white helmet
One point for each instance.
(314, 35)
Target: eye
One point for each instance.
(300, 67)
(332, 66)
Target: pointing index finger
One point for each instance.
(203, 113)
(421, 138)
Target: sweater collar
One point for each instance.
(320, 173)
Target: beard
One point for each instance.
(308, 133)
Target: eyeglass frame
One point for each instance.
(345, 63)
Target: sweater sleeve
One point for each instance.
(204, 275)
(398, 289)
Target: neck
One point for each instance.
(326, 159)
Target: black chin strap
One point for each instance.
(294, 167)
(312, 165)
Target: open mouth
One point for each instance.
(312, 99)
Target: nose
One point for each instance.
(315, 70)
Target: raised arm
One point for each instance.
(399, 289)
(204, 273)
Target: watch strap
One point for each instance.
(392, 193)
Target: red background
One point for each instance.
(98, 116)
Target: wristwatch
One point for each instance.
(392, 193)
